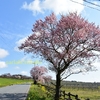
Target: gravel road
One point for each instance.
(14, 92)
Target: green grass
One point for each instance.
(10, 81)
(84, 93)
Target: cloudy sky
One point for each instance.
(16, 21)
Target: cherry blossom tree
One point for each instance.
(38, 74)
(68, 44)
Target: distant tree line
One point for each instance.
(80, 85)
(83, 85)
(16, 76)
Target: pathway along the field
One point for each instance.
(14, 92)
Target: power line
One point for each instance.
(92, 3)
(3, 41)
(85, 5)
(96, 0)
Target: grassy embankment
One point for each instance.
(10, 81)
(40, 93)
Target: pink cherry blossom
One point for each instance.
(78, 38)
(38, 74)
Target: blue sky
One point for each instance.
(16, 21)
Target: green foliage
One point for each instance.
(10, 81)
(37, 92)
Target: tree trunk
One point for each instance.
(35, 82)
(58, 83)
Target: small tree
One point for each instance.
(68, 44)
(38, 74)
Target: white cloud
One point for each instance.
(3, 53)
(21, 41)
(2, 64)
(18, 43)
(56, 6)
(24, 73)
(33, 6)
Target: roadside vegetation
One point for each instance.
(11, 81)
(38, 92)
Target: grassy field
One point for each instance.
(39, 93)
(9, 81)
(84, 93)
